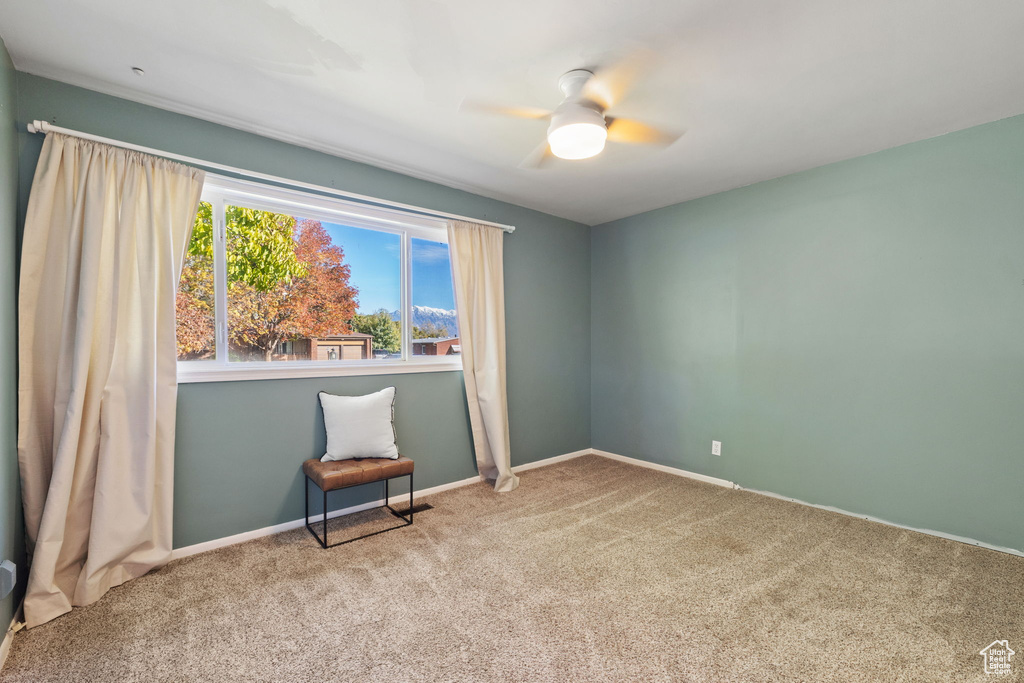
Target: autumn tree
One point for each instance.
(286, 280)
(194, 301)
(387, 334)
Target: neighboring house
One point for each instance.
(354, 346)
(436, 346)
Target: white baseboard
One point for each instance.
(551, 461)
(929, 532)
(186, 551)
(729, 484)
(5, 646)
(665, 468)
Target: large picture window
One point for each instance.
(285, 283)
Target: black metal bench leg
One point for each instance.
(323, 541)
(309, 527)
(396, 513)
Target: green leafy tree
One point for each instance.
(387, 334)
(429, 331)
(261, 248)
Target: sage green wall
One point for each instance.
(239, 444)
(853, 334)
(12, 535)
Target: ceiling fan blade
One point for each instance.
(611, 82)
(538, 158)
(477, 107)
(637, 133)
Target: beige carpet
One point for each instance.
(592, 571)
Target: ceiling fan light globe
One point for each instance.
(577, 140)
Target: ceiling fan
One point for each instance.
(579, 126)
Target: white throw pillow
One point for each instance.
(360, 426)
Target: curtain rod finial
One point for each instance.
(37, 127)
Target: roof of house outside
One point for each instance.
(351, 335)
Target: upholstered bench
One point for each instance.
(343, 474)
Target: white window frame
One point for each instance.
(220, 191)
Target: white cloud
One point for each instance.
(430, 253)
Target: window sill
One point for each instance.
(193, 372)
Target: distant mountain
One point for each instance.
(422, 315)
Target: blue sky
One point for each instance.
(431, 275)
(375, 259)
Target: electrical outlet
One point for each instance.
(8, 577)
(716, 448)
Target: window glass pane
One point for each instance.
(376, 262)
(194, 304)
(435, 328)
(301, 289)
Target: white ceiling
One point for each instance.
(762, 87)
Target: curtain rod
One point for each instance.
(44, 127)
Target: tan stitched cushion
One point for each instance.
(337, 474)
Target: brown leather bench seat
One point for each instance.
(338, 474)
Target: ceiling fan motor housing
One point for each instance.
(576, 108)
(571, 82)
(573, 112)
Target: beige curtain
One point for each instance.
(105, 236)
(478, 273)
